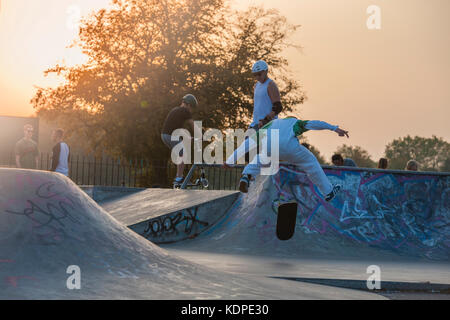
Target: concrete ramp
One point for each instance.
(103, 194)
(52, 233)
(383, 214)
(166, 216)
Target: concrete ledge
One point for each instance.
(166, 215)
(102, 193)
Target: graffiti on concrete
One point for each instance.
(408, 213)
(50, 217)
(184, 221)
(47, 211)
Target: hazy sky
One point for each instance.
(379, 84)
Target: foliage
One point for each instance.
(145, 55)
(357, 154)
(303, 140)
(432, 154)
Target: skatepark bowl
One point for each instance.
(384, 236)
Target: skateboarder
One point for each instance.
(290, 150)
(176, 120)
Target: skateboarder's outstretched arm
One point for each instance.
(322, 125)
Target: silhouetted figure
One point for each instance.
(337, 160)
(412, 165)
(348, 162)
(176, 119)
(26, 150)
(60, 153)
(382, 163)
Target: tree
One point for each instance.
(145, 55)
(317, 154)
(446, 166)
(357, 154)
(431, 153)
(304, 141)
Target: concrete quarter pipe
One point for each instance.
(377, 213)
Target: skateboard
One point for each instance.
(286, 219)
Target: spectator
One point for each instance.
(382, 163)
(337, 160)
(26, 150)
(61, 152)
(348, 162)
(412, 165)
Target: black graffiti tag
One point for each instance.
(169, 224)
(48, 219)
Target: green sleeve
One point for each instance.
(300, 127)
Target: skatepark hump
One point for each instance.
(378, 214)
(48, 226)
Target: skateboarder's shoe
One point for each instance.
(333, 193)
(243, 183)
(177, 182)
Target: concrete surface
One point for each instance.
(47, 225)
(102, 194)
(165, 215)
(396, 221)
(397, 216)
(152, 203)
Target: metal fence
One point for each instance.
(218, 178)
(116, 172)
(106, 171)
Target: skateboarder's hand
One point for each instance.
(342, 133)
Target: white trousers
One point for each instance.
(293, 152)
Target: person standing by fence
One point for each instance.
(26, 150)
(60, 154)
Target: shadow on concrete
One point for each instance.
(385, 286)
